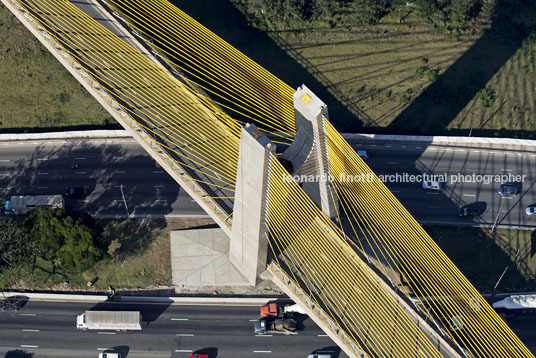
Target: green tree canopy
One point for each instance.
(16, 244)
(64, 238)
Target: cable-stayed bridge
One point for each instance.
(344, 248)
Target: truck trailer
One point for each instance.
(109, 320)
(22, 204)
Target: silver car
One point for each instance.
(531, 210)
(432, 185)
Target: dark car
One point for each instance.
(76, 192)
(469, 211)
(507, 190)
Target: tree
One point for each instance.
(64, 238)
(16, 244)
(369, 11)
(426, 8)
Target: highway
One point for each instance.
(48, 330)
(31, 167)
(441, 207)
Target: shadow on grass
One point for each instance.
(441, 102)
(257, 45)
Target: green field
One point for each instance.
(388, 77)
(36, 91)
(139, 257)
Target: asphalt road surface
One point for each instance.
(32, 167)
(48, 330)
(441, 207)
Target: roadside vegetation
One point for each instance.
(414, 67)
(55, 249)
(37, 92)
(458, 67)
(483, 256)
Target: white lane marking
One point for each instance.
(388, 146)
(264, 335)
(418, 147)
(31, 330)
(28, 346)
(119, 172)
(460, 150)
(262, 351)
(179, 319)
(322, 335)
(117, 157)
(42, 173)
(4, 160)
(5, 188)
(80, 172)
(41, 159)
(28, 314)
(475, 151)
(20, 143)
(429, 193)
(4, 175)
(184, 335)
(469, 194)
(392, 163)
(103, 349)
(505, 211)
(161, 201)
(159, 186)
(183, 350)
(158, 171)
(506, 170)
(80, 158)
(253, 320)
(82, 201)
(105, 332)
(42, 187)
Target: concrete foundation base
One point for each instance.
(200, 257)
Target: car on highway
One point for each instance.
(469, 211)
(109, 355)
(363, 154)
(76, 192)
(8, 306)
(507, 190)
(432, 185)
(319, 355)
(531, 210)
(197, 355)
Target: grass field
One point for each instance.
(407, 77)
(36, 91)
(389, 77)
(139, 257)
(482, 257)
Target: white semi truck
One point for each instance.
(109, 320)
(22, 204)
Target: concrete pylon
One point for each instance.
(249, 242)
(308, 153)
